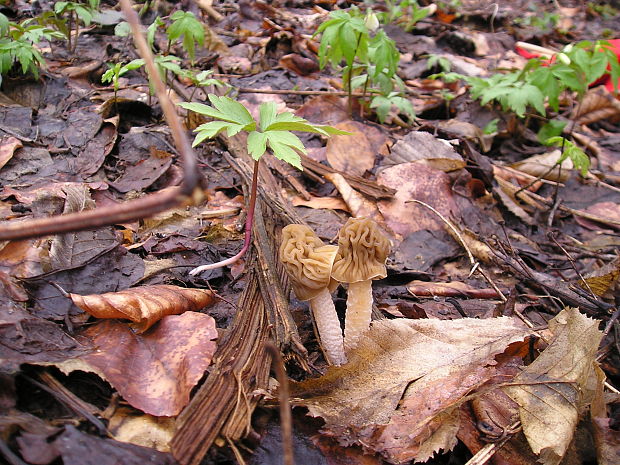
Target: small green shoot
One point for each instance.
(272, 131)
(579, 158)
(75, 12)
(186, 25)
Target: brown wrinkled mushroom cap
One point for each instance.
(362, 251)
(307, 261)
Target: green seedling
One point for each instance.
(437, 60)
(406, 13)
(370, 57)
(76, 13)
(185, 25)
(17, 45)
(272, 132)
(580, 160)
(201, 79)
(115, 71)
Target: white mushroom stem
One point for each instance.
(359, 310)
(327, 323)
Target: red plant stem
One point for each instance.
(249, 221)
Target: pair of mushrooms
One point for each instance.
(317, 269)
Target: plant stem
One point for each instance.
(249, 221)
(350, 76)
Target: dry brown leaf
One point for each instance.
(8, 145)
(604, 210)
(324, 109)
(597, 104)
(141, 429)
(414, 181)
(145, 305)
(604, 279)
(358, 205)
(422, 147)
(156, 371)
(397, 394)
(541, 166)
(558, 386)
(359, 157)
(331, 203)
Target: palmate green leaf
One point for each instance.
(286, 146)
(579, 158)
(186, 25)
(257, 144)
(527, 94)
(548, 85)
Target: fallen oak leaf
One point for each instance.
(144, 305)
(556, 388)
(155, 371)
(399, 392)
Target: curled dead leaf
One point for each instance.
(145, 305)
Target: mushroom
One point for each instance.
(362, 251)
(308, 262)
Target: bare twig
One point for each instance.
(286, 419)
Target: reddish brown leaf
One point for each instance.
(8, 145)
(144, 305)
(414, 181)
(155, 371)
(298, 64)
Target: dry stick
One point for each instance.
(475, 265)
(249, 90)
(133, 209)
(286, 418)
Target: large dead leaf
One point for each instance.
(359, 157)
(556, 387)
(414, 181)
(144, 305)
(155, 371)
(399, 392)
(426, 149)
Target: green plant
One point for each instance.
(75, 12)
(271, 132)
(540, 83)
(185, 25)
(17, 45)
(545, 23)
(437, 60)
(580, 160)
(406, 13)
(370, 57)
(201, 79)
(115, 71)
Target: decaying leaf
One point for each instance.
(141, 429)
(8, 145)
(358, 205)
(414, 181)
(604, 279)
(545, 166)
(155, 371)
(144, 305)
(398, 394)
(359, 157)
(556, 387)
(424, 148)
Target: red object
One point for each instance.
(605, 80)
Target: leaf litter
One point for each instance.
(429, 382)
